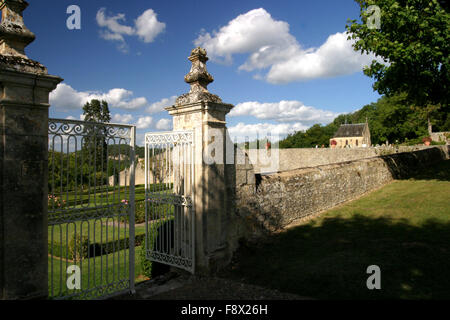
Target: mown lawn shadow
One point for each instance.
(329, 261)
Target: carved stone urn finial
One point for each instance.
(198, 78)
(14, 35)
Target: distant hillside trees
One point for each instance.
(71, 171)
(390, 118)
(316, 135)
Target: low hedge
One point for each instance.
(80, 248)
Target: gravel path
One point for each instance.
(186, 287)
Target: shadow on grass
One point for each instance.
(329, 261)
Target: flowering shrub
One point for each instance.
(55, 202)
(139, 211)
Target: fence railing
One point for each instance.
(169, 191)
(90, 221)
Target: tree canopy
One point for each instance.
(413, 40)
(96, 111)
(95, 146)
(390, 118)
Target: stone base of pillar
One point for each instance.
(23, 183)
(214, 180)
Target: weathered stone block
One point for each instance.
(250, 177)
(25, 120)
(25, 176)
(241, 176)
(31, 148)
(23, 183)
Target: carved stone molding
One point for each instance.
(14, 37)
(198, 78)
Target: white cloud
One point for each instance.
(247, 33)
(164, 124)
(271, 45)
(70, 118)
(160, 105)
(242, 132)
(122, 118)
(146, 27)
(333, 58)
(65, 97)
(144, 122)
(112, 23)
(133, 104)
(283, 111)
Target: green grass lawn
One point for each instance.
(404, 228)
(94, 272)
(108, 229)
(100, 270)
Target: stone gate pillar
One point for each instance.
(214, 178)
(24, 93)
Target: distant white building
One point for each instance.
(351, 136)
(139, 176)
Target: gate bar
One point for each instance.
(131, 208)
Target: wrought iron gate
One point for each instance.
(90, 209)
(169, 190)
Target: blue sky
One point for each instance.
(285, 65)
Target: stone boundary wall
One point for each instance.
(123, 176)
(296, 158)
(441, 136)
(276, 200)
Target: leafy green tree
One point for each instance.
(96, 111)
(391, 119)
(413, 40)
(95, 146)
(317, 135)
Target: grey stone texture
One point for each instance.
(290, 159)
(14, 35)
(441, 136)
(198, 78)
(282, 198)
(24, 91)
(203, 112)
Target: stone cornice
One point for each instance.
(20, 64)
(199, 106)
(24, 78)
